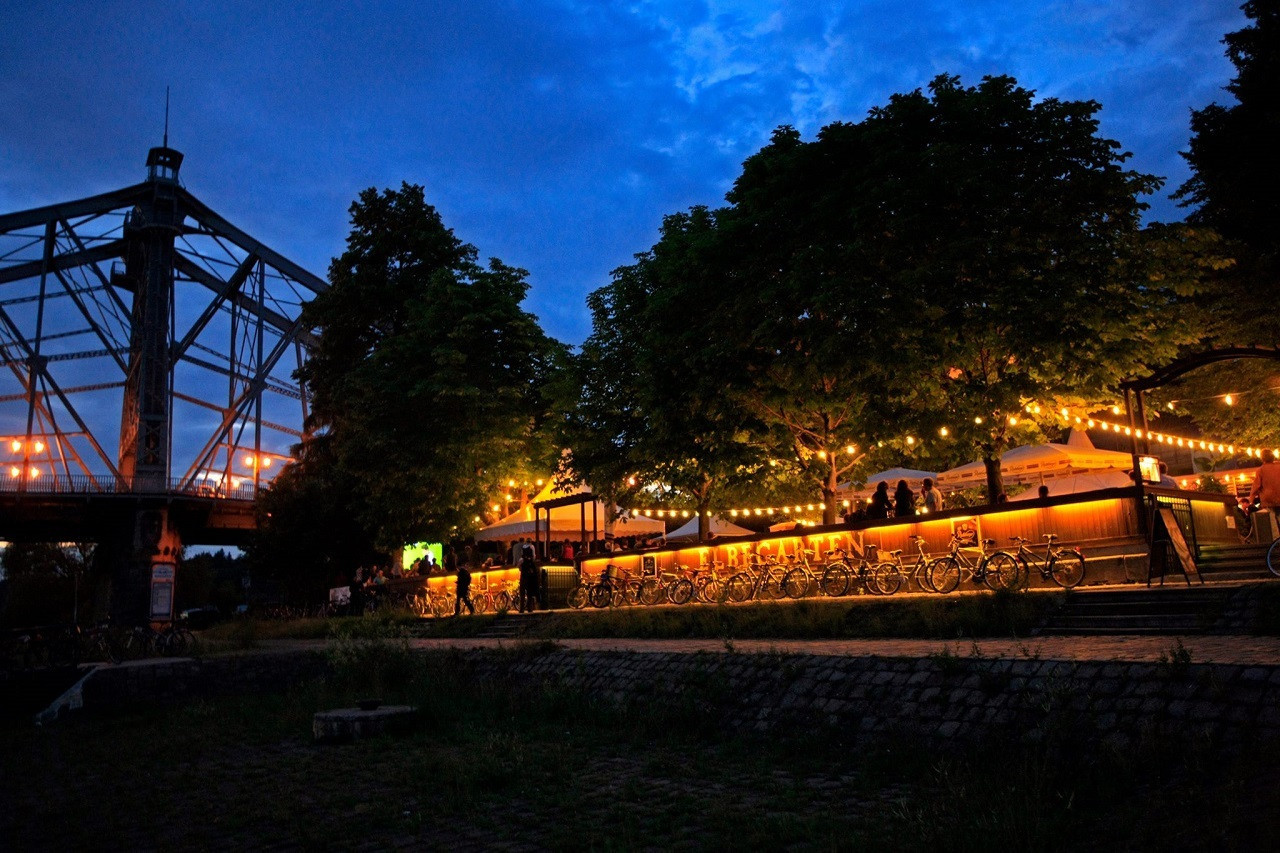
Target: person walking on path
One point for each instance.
(463, 591)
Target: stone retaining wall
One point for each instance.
(939, 698)
(182, 679)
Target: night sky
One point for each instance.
(553, 135)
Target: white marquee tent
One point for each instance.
(1040, 463)
(574, 521)
(719, 527)
(1087, 481)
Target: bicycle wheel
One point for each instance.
(944, 574)
(1003, 571)
(796, 583)
(651, 592)
(601, 595)
(680, 591)
(888, 578)
(502, 602)
(1273, 558)
(835, 580)
(1068, 568)
(770, 588)
(577, 598)
(921, 575)
(738, 587)
(713, 592)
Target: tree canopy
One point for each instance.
(428, 379)
(1235, 186)
(927, 271)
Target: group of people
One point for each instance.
(522, 555)
(903, 502)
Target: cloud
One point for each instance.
(552, 134)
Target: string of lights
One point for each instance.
(1083, 421)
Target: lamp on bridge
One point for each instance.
(163, 164)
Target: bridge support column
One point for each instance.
(131, 556)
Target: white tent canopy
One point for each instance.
(1039, 463)
(1088, 481)
(719, 527)
(915, 479)
(574, 521)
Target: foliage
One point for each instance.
(428, 378)
(942, 263)
(650, 418)
(46, 582)
(1235, 186)
(310, 534)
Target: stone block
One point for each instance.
(344, 724)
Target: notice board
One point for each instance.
(1180, 547)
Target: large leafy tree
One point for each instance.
(953, 256)
(1235, 189)
(652, 418)
(429, 376)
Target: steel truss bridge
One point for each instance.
(147, 389)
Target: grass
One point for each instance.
(1000, 614)
(490, 765)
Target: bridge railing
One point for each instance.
(82, 484)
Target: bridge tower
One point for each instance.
(147, 383)
(149, 231)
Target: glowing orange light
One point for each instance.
(266, 462)
(15, 472)
(249, 461)
(39, 447)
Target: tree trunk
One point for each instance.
(704, 521)
(995, 479)
(830, 512)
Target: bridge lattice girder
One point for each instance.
(72, 341)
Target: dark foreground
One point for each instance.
(491, 768)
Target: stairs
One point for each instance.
(512, 625)
(1233, 562)
(1167, 610)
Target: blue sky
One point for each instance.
(553, 134)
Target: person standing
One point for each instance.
(930, 498)
(528, 580)
(904, 500)
(880, 505)
(1266, 486)
(450, 561)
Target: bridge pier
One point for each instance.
(129, 552)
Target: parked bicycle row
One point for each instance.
(68, 645)
(840, 573)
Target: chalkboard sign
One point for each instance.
(649, 564)
(1180, 547)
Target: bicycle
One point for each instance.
(998, 570)
(1064, 566)
(799, 579)
(614, 589)
(707, 586)
(678, 586)
(919, 570)
(843, 573)
(762, 580)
